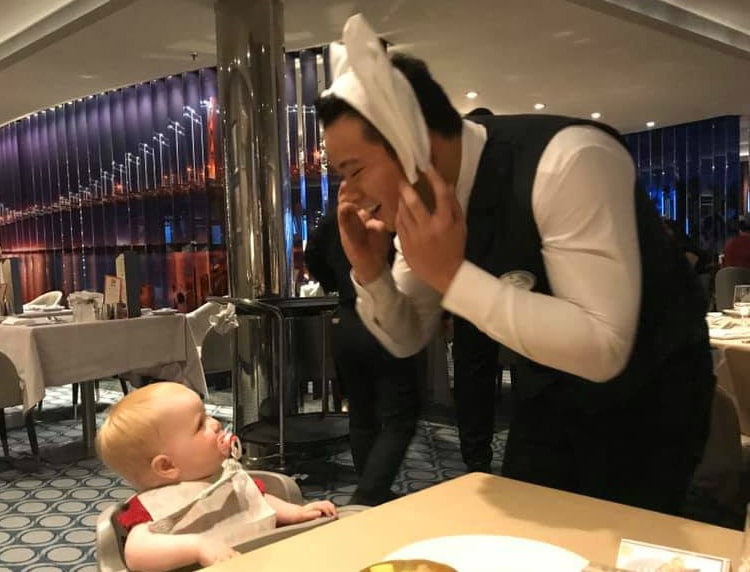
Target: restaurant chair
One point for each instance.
(110, 538)
(213, 348)
(10, 396)
(51, 298)
(216, 353)
(722, 464)
(724, 283)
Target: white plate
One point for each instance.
(487, 553)
(163, 312)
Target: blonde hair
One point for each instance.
(132, 435)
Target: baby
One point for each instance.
(160, 439)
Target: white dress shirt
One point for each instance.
(584, 209)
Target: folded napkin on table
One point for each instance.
(311, 290)
(18, 321)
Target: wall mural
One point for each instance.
(692, 173)
(140, 169)
(136, 169)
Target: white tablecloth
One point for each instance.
(62, 353)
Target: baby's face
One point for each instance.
(194, 441)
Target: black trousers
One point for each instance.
(384, 402)
(474, 379)
(642, 453)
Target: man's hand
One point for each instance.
(366, 241)
(212, 551)
(432, 244)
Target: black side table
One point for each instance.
(301, 432)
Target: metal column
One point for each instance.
(249, 35)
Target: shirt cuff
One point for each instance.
(462, 295)
(379, 289)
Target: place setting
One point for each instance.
(732, 323)
(494, 553)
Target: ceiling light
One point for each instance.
(650, 124)
(539, 106)
(596, 115)
(472, 94)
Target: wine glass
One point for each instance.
(742, 300)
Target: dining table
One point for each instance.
(730, 343)
(53, 351)
(483, 504)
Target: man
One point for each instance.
(737, 249)
(383, 389)
(534, 233)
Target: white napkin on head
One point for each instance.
(364, 77)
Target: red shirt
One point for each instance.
(737, 251)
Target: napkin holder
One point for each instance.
(86, 306)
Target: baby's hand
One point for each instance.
(212, 551)
(316, 509)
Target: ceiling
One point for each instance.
(576, 56)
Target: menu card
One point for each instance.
(642, 557)
(112, 290)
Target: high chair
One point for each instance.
(110, 538)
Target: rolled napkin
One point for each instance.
(225, 320)
(364, 77)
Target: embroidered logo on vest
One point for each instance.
(522, 279)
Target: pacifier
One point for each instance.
(229, 443)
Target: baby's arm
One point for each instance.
(288, 513)
(148, 551)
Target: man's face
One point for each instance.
(371, 174)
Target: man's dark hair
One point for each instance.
(479, 112)
(440, 116)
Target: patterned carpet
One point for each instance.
(48, 512)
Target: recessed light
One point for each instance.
(472, 94)
(650, 124)
(539, 106)
(596, 115)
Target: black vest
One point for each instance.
(503, 237)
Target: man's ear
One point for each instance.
(164, 468)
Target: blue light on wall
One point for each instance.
(692, 173)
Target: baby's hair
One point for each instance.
(132, 434)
